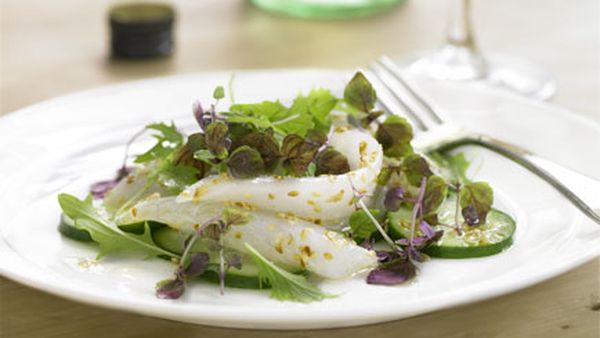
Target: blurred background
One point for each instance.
(55, 47)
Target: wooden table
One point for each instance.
(54, 47)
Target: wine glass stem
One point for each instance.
(460, 37)
(460, 31)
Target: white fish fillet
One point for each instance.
(325, 199)
(286, 240)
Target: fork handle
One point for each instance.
(525, 159)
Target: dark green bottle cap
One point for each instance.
(141, 30)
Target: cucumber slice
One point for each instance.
(138, 228)
(485, 240)
(244, 278)
(67, 228)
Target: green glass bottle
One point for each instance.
(326, 9)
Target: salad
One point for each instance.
(279, 197)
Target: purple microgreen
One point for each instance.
(359, 93)
(435, 193)
(393, 199)
(416, 168)
(416, 213)
(395, 135)
(217, 140)
(199, 115)
(245, 162)
(331, 162)
(476, 200)
(426, 229)
(370, 118)
(358, 198)
(394, 272)
(470, 215)
(298, 153)
(233, 260)
(198, 262)
(170, 288)
(263, 142)
(100, 189)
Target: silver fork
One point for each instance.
(439, 134)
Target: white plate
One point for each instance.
(65, 144)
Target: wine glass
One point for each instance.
(461, 59)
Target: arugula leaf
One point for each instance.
(271, 110)
(306, 113)
(285, 285)
(168, 140)
(361, 224)
(476, 201)
(359, 93)
(315, 107)
(106, 233)
(295, 124)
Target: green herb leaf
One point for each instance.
(168, 141)
(204, 155)
(217, 140)
(361, 224)
(395, 135)
(476, 197)
(245, 162)
(285, 285)
(415, 168)
(331, 162)
(177, 177)
(359, 93)
(271, 110)
(104, 232)
(219, 93)
(435, 194)
(458, 165)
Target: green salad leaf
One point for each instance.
(361, 224)
(106, 233)
(168, 139)
(285, 285)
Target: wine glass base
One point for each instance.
(514, 74)
(520, 76)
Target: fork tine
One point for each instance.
(379, 73)
(393, 68)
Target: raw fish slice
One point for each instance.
(286, 240)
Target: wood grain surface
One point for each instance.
(49, 48)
